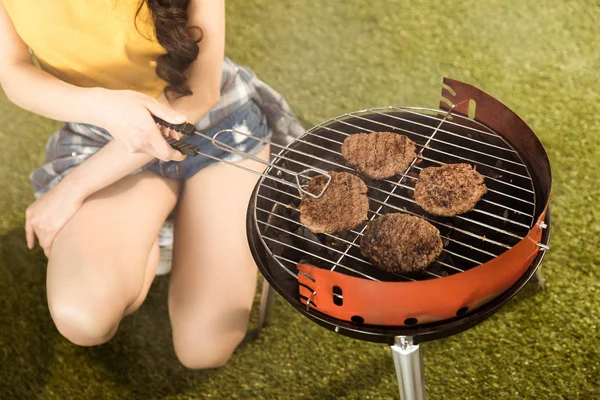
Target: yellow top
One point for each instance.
(91, 43)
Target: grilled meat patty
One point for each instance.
(401, 243)
(449, 190)
(379, 155)
(342, 206)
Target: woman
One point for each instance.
(107, 66)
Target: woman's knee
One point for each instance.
(205, 355)
(86, 316)
(207, 347)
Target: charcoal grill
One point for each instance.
(489, 253)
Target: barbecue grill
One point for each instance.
(489, 253)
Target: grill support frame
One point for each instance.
(404, 340)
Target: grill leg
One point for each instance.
(540, 279)
(266, 303)
(408, 361)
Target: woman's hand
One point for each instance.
(127, 116)
(46, 216)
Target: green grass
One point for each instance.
(541, 58)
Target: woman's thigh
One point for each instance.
(213, 280)
(99, 260)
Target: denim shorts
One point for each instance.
(74, 143)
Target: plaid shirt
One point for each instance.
(239, 84)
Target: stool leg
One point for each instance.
(266, 303)
(408, 361)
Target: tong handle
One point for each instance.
(185, 148)
(186, 128)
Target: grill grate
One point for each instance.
(500, 220)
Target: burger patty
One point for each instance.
(342, 206)
(401, 243)
(449, 190)
(378, 155)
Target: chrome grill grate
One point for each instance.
(501, 219)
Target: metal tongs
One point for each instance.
(191, 150)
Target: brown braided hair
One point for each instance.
(180, 41)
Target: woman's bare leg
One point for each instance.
(104, 259)
(213, 279)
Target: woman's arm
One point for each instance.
(111, 163)
(125, 114)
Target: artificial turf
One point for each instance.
(329, 57)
